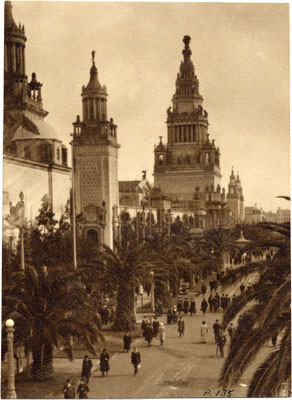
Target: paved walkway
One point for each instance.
(182, 367)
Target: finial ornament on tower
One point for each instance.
(93, 55)
(186, 41)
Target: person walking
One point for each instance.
(186, 305)
(221, 341)
(161, 332)
(127, 342)
(204, 306)
(223, 302)
(174, 315)
(156, 325)
(144, 324)
(136, 360)
(211, 302)
(216, 329)
(69, 390)
(104, 362)
(149, 333)
(86, 368)
(181, 326)
(204, 331)
(203, 289)
(83, 389)
(193, 307)
(169, 316)
(231, 330)
(216, 302)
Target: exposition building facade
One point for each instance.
(35, 161)
(187, 172)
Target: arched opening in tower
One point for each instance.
(92, 236)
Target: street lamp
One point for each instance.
(152, 291)
(11, 393)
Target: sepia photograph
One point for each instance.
(145, 200)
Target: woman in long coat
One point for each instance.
(149, 334)
(104, 362)
(204, 306)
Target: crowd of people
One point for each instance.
(152, 328)
(69, 391)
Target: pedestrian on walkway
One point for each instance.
(211, 302)
(216, 302)
(149, 333)
(174, 315)
(223, 302)
(179, 305)
(136, 360)
(204, 306)
(127, 342)
(69, 389)
(216, 329)
(221, 341)
(231, 330)
(161, 333)
(204, 289)
(181, 326)
(86, 368)
(156, 325)
(104, 362)
(186, 305)
(193, 307)
(204, 331)
(144, 324)
(169, 316)
(83, 389)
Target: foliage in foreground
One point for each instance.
(51, 309)
(265, 309)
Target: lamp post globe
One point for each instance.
(9, 323)
(11, 393)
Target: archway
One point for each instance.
(92, 235)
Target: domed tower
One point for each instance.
(95, 156)
(26, 134)
(189, 159)
(235, 199)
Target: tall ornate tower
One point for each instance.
(95, 156)
(235, 199)
(189, 160)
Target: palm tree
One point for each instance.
(217, 242)
(266, 314)
(50, 310)
(123, 270)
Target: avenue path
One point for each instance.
(182, 367)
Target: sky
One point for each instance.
(241, 57)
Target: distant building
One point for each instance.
(280, 216)
(235, 199)
(253, 215)
(35, 161)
